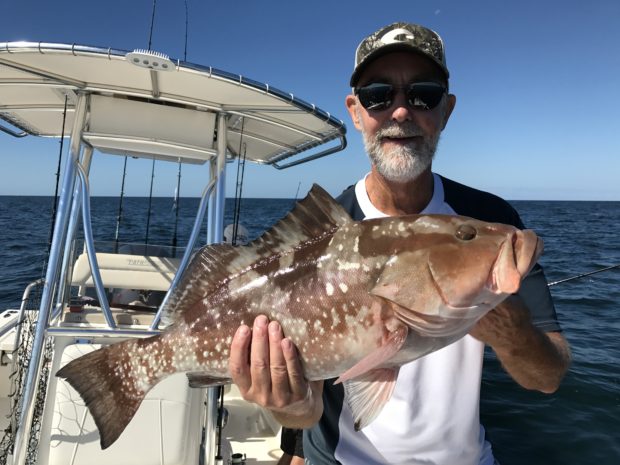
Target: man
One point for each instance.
(400, 103)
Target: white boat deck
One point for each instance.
(166, 429)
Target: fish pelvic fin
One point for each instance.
(111, 400)
(204, 380)
(378, 357)
(368, 394)
(316, 215)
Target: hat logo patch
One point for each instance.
(397, 35)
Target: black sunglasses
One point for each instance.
(379, 96)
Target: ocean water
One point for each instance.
(579, 424)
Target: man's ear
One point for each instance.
(351, 102)
(450, 104)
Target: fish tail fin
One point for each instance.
(112, 397)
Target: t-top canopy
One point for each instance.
(143, 104)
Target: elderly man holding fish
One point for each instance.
(368, 334)
(401, 103)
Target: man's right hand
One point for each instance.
(267, 369)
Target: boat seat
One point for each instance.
(166, 429)
(124, 271)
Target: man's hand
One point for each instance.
(267, 369)
(536, 360)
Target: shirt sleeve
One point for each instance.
(535, 293)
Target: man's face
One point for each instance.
(400, 140)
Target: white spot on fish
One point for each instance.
(343, 287)
(347, 265)
(319, 327)
(282, 271)
(335, 318)
(356, 244)
(286, 260)
(329, 289)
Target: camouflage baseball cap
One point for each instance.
(399, 37)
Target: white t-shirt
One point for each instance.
(432, 417)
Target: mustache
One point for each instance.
(393, 129)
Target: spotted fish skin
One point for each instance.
(358, 299)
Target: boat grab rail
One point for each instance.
(90, 248)
(80, 332)
(13, 133)
(341, 146)
(22, 313)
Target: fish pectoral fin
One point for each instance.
(367, 395)
(394, 342)
(200, 379)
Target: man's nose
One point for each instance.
(401, 110)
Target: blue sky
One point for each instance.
(537, 86)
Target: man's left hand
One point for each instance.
(535, 359)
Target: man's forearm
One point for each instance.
(537, 361)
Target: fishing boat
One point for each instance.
(140, 104)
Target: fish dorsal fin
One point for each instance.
(317, 214)
(209, 267)
(367, 395)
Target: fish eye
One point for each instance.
(466, 232)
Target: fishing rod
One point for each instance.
(55, 205)
(119, 217)
(148, 215)
(584, 275)
(175, 207)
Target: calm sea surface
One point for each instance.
(580, 424)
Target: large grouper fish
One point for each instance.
(358, 299)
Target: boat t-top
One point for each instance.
(139, 104)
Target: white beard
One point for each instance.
(404, 163)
